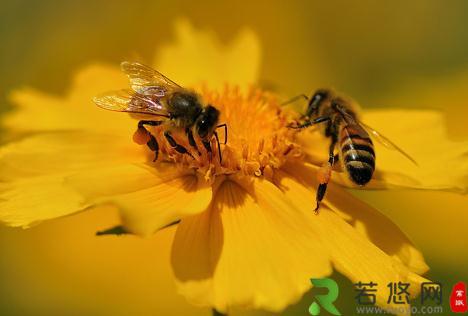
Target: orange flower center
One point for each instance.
(258, 139)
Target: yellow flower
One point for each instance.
(247, 234)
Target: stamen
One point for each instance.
(259, 138)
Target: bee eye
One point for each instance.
(318, 97)
(207, 121)
(315, 102)
(202, 128)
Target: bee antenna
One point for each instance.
(294, 99)
(225, 132)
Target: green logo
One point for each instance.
(325, 300)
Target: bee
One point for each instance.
(154, 94)
(345, 131)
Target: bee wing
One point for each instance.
(142, 76)
(126, 100)
(351, 120)
(387, 142)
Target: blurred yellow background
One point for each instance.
(384, 54)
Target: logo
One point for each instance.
(458, 298)
(431, 291)
(398, 300)
(325, 300)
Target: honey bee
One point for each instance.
(156, 95)
(345, 131)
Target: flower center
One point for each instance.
(258, 139)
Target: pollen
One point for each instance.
(258, 139)
(141, 136)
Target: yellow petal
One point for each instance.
(366, 220)
(64, 152)
(251, 248)
(37, 111)
(199, 56)
(168, 199)
(24, 202)
(377, 228)
(34, 173)
(98, 183)
(350, 241)
(442, 163)
(75, 170)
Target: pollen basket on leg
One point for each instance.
(258, 139)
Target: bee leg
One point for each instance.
(207, 145)
(219, 147)
(154, 146)
(150, 123)
(309, 122)
(324, 175)
(191, 140)
(179, 148)
(142, 135)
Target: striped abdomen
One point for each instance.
(357, 153)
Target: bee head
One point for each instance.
(207, 121)
(318, 98)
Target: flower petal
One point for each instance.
(365, 219)
(167, 200)
(198, 56)
(24, 202)
(101, 182)
(442, 163)
(33, 173)
(37, 111)
(351, 242)
(251, 248)
(64, 152)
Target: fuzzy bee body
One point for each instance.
(171, 106)
(356, 153)
(355, 148)
(347, 134)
